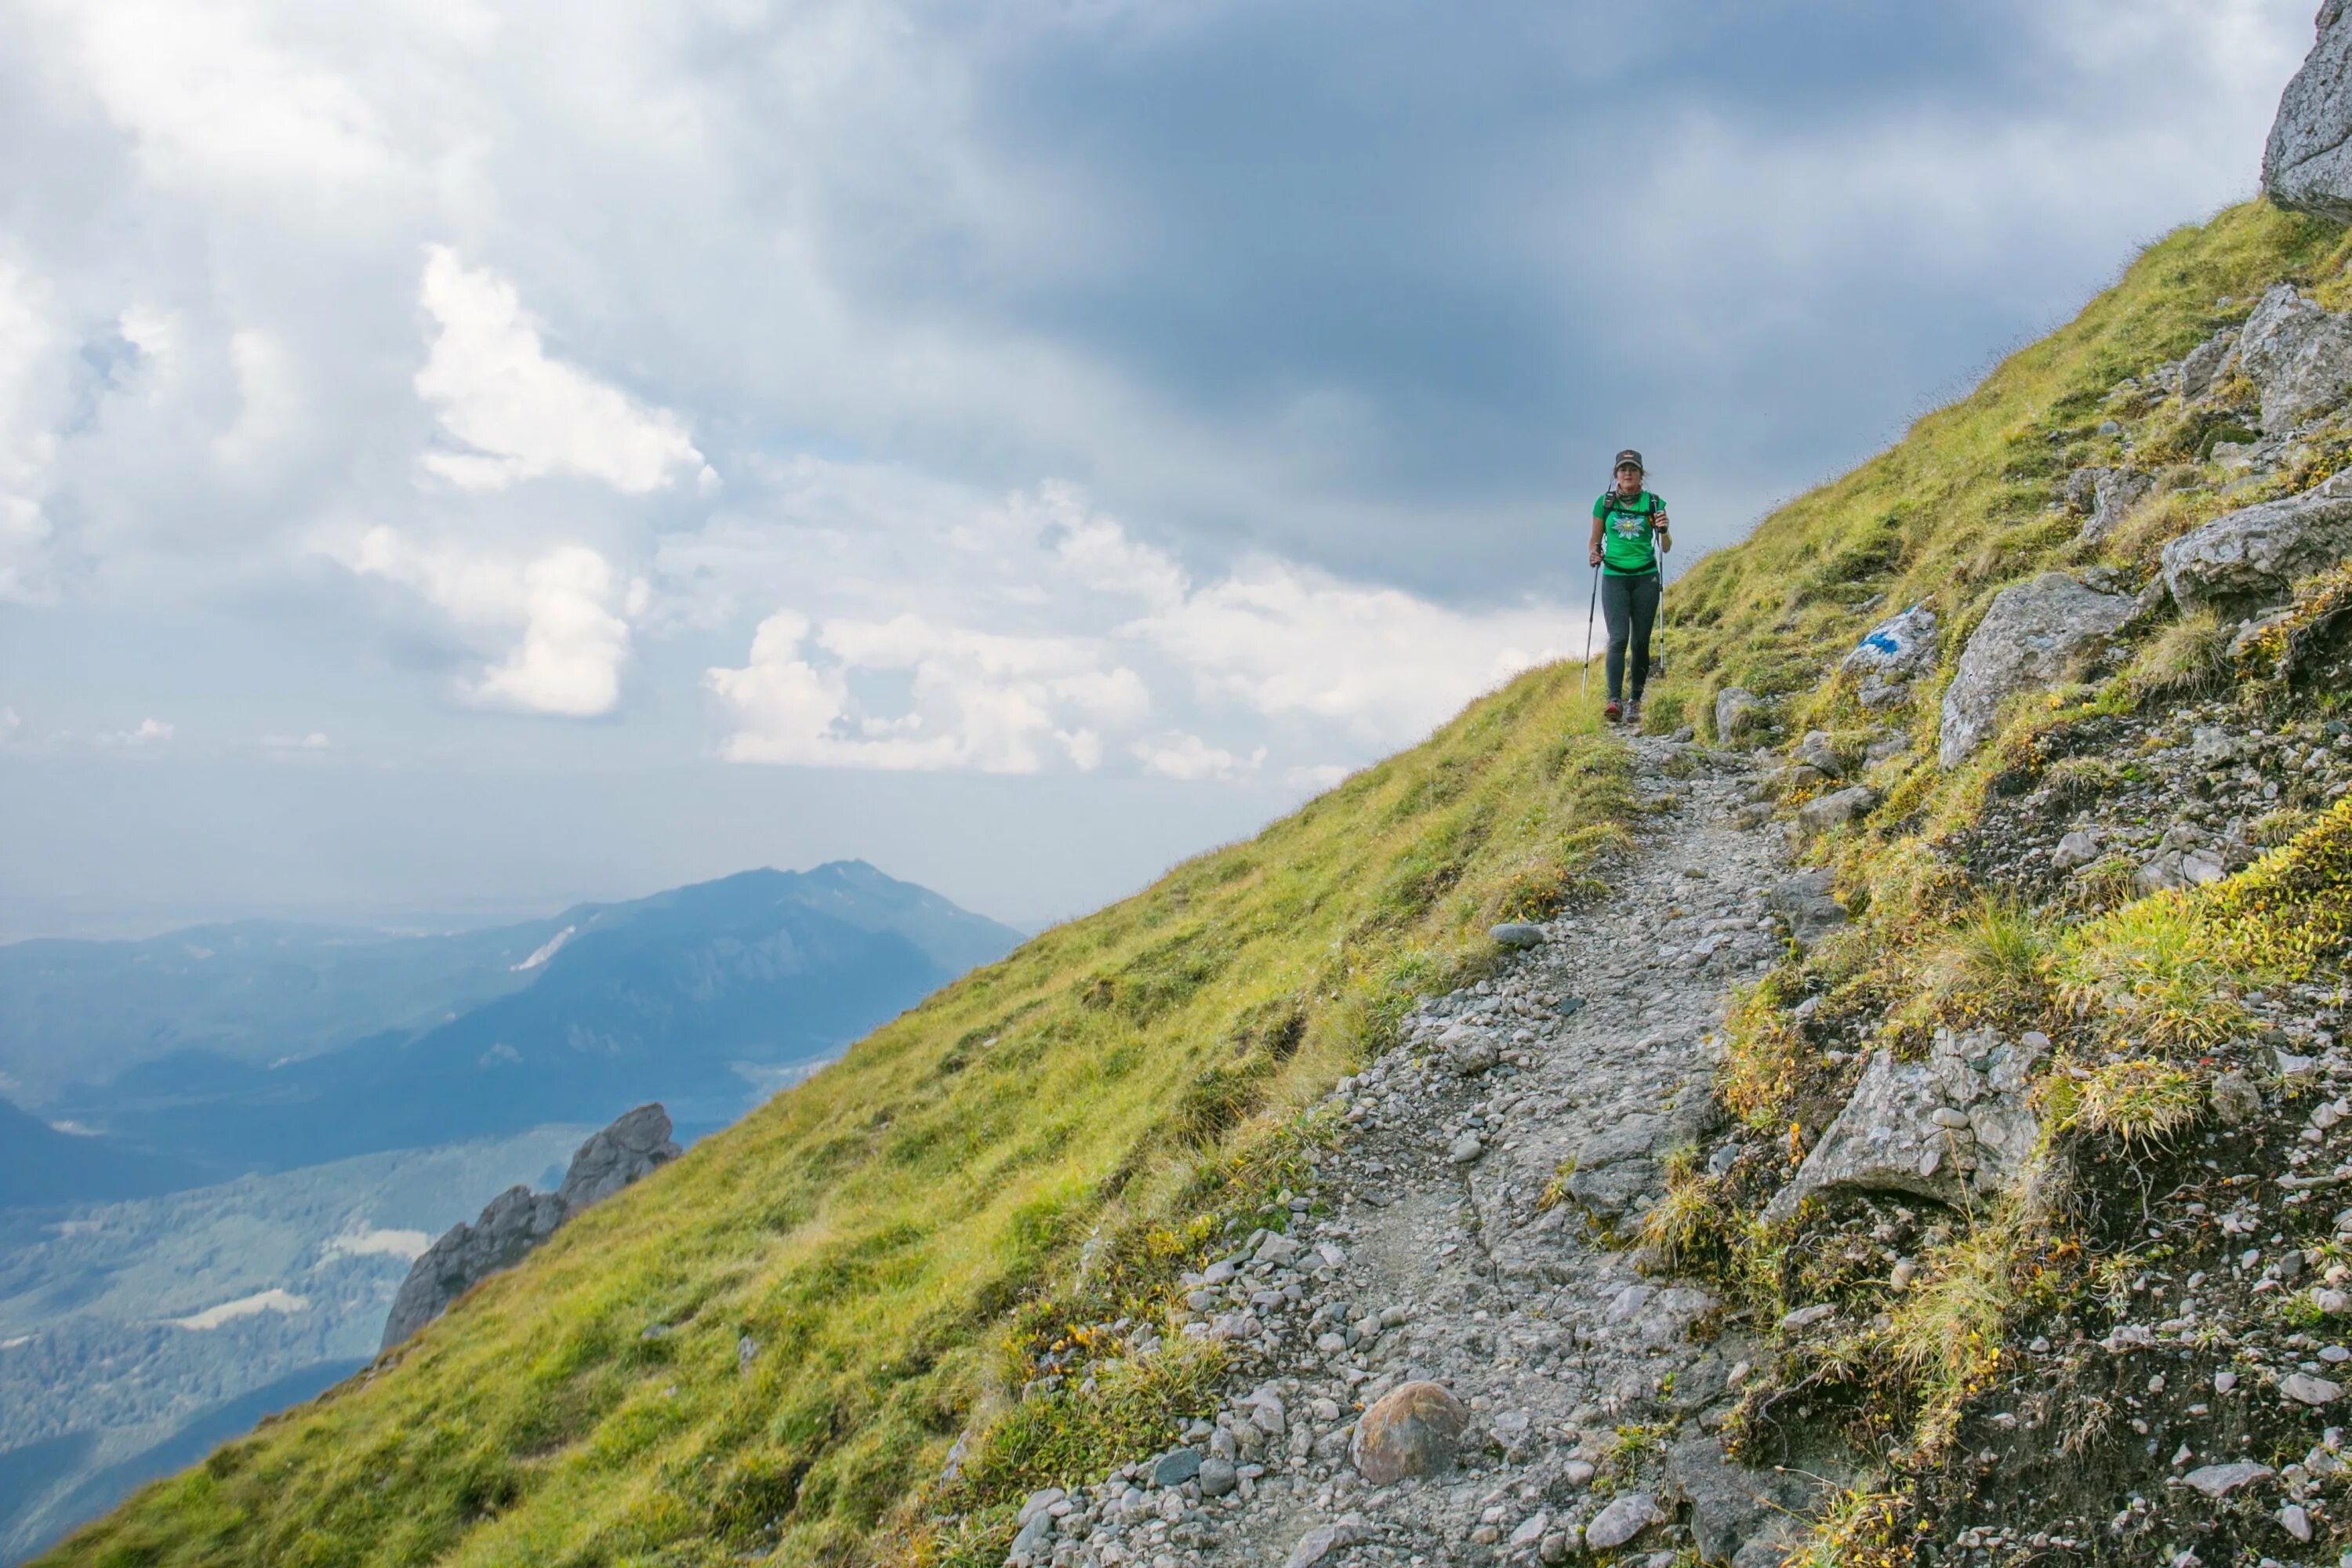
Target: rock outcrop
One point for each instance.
(1940, 1128)
(2033, 629)
(2113, 493)
(1805, 902)
(516, 1221)
(616, 1156)
(2245, 558)
(1738, 713)
(2298, 355)
(2307, 164)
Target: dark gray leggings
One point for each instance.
(1629, 605)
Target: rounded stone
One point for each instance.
(1175, 1466)
(1412, 1430)
(1218, 1477)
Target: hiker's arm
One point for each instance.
(1665, 532)
(1594, 544)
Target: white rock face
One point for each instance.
(2254, 556)
(2307, 164)
(2298, 355)
(2034, 629)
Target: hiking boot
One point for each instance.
(1632, 712)
(1613, 712)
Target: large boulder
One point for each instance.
(1959, 1121)
(1412, 1430)
(512, 1224)
(2033, 629)
(2307, 165)
(628, 1149)
(2298, 355)
(518, 1220)
(2254, 556)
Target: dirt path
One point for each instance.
(1440, 1257)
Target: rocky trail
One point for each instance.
(1451, 1356)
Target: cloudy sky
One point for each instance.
(460, 456)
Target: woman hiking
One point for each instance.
(1629, 534)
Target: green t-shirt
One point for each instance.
(1629, 525)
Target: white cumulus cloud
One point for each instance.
(564, 611)
(29, 347)
(214, 99)
(514, 413)
(908, 694)
(1283, 639)
(1189, 757)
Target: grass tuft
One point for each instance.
(2188, 658)
(2136, 1102)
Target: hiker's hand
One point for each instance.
(1596, 556)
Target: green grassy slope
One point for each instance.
(902, 1237)
(892, 1236)
(1960, 507)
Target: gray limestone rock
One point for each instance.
(1897, 648)
(1469, 1051)
(2307, 163)
(1838, 807)
(2218, 1481)
(2254, 556)
(2298, 355)
(1732, 1505)
(630, 1147)
(1624, 1517)
(1035, 1544)
(1325, 1539)
(2079, 848)
(1816, 752)
(518, 1219)
(2117, 492)
(2208, 363)
(2305, 1389)
(1175, 1466)
(502, 1236)
(2236, 1101)
(1804, 899)
(1517, 934)
(1958, 1122)
(1738, 714)
(2026, 639)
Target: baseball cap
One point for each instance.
(1629, 456)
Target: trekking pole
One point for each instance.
(1658, 648)
(1584, 676)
